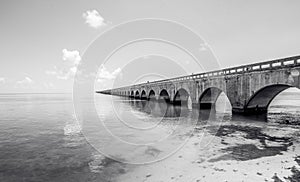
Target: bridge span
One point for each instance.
(249, 88)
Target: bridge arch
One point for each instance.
(132, 94)
(151, 95)
(143, 95)
(261, 99)
(164, 96)
(137, 94)
(209, 97)
(182, 97)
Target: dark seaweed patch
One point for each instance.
(245, 152)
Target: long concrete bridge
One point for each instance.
(249, 88)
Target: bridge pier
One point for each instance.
(195, 105)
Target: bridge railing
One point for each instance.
(274, 64)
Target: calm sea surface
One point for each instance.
(41, 140)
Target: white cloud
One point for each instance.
(63, 74)
(67, 71)
(93, 19)
(74, 58)
(51, 72)
(203, 47)
(26, 80)
(2, 80)
(104, 74)
(25, 83)
(67, 74)
(48, 85)
(73, 69)
(71, 56)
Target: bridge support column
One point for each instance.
(195, 105)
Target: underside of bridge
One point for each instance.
(137, 95)
(260, 101)
(143, 95)
(151, 95)
(131, 94)
(164, 96)
(209, 97)
(181, 97)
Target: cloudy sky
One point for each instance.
(43, 42)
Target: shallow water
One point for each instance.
(41, 139)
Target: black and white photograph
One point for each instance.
(149, 91)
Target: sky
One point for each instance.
(42, 42)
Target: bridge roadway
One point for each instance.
(249, 88)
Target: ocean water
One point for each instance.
(41, 139)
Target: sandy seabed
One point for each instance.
(230, 152)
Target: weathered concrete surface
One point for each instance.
(249, 88)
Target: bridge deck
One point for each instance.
(261, 66)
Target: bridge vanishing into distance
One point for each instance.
(249, 88)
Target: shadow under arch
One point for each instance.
(143, 95)
(164, 96)
(208, 98)
(181, 97)
(214, 104)
(132, 94)
(151, 95)
(137, 94)
(259, 102)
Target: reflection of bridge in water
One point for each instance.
(250, 88)
(167, 110)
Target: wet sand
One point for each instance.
(235, 152)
